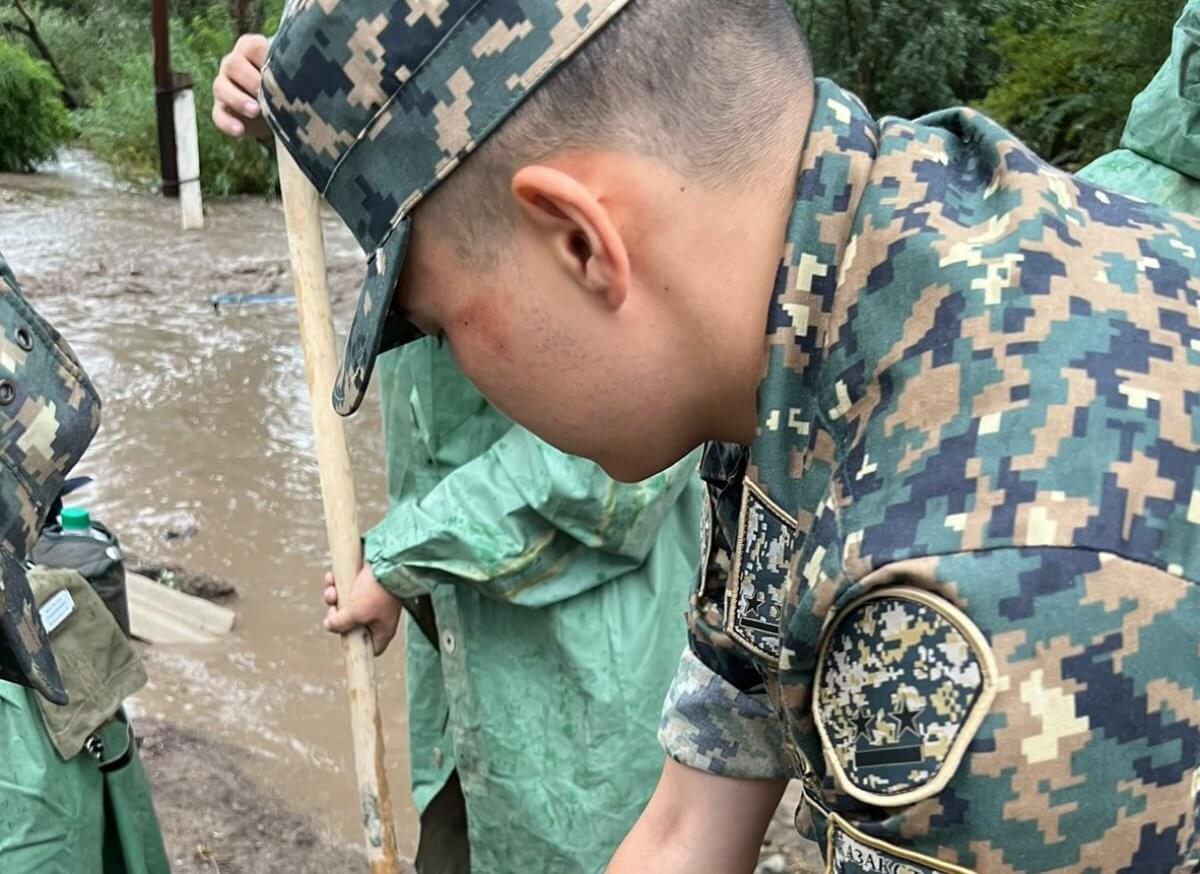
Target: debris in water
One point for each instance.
(183, 531)
(240, 299)
(173, 576)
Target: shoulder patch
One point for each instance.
(761, 558)
(849, 851)
(904, 680)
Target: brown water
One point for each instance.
(206, 433)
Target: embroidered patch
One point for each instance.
(754, 596)
(904, 679)
(849, 851)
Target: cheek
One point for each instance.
(480, 330)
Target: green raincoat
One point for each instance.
(1159, 158)
(78, 816)
(73, 796)
(559, 597)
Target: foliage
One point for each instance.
(103, 47)
(36, 122)
(120, 125)
(1066, 86)
(89, 52)
(903, 57)
(1060, 73)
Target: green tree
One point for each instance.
(120, 125)
(1066, 86)
(903, 57)
(35, 121)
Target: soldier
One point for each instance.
(73, 796)
(956, 386)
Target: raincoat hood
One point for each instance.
(1164, 122)
(1159, 158)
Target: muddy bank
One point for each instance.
(216, 820)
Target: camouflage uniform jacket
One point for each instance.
(952, 584)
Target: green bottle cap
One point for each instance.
(75, 519)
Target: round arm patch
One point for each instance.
(904, 680)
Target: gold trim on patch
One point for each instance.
(735, 572)
(836, 823)
(966, 732)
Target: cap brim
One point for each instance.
(375, 328)
(25, 656)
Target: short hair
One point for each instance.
(698, 84)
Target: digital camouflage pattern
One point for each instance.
(49, 413)
(697, 715)
(899, 683)
(760, 572)
(379, 102)
(983, 384)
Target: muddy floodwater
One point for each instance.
(205, 459)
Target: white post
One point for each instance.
(187, 152)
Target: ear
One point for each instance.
(578, 228)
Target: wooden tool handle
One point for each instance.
(301, 207)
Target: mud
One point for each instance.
(783, 850)
(241, 828)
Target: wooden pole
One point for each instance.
(187, 140)
(301, 207)
(164, 90)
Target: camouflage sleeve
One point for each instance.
(722, 468)
(1047, 697)
(718, 716)
(710, 725)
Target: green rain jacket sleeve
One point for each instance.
(524, 523)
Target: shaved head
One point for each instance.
(699, 85)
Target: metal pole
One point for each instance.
(164, 95)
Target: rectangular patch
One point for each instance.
(759, 576)
(57, 608)
(849, 851)
(910, 755)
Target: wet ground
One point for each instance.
(205, 459)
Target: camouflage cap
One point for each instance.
(379, 102)
(49, 413)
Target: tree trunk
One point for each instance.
(68, 94)
(247, 15)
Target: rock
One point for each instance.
(173, 576)
(180, 531)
